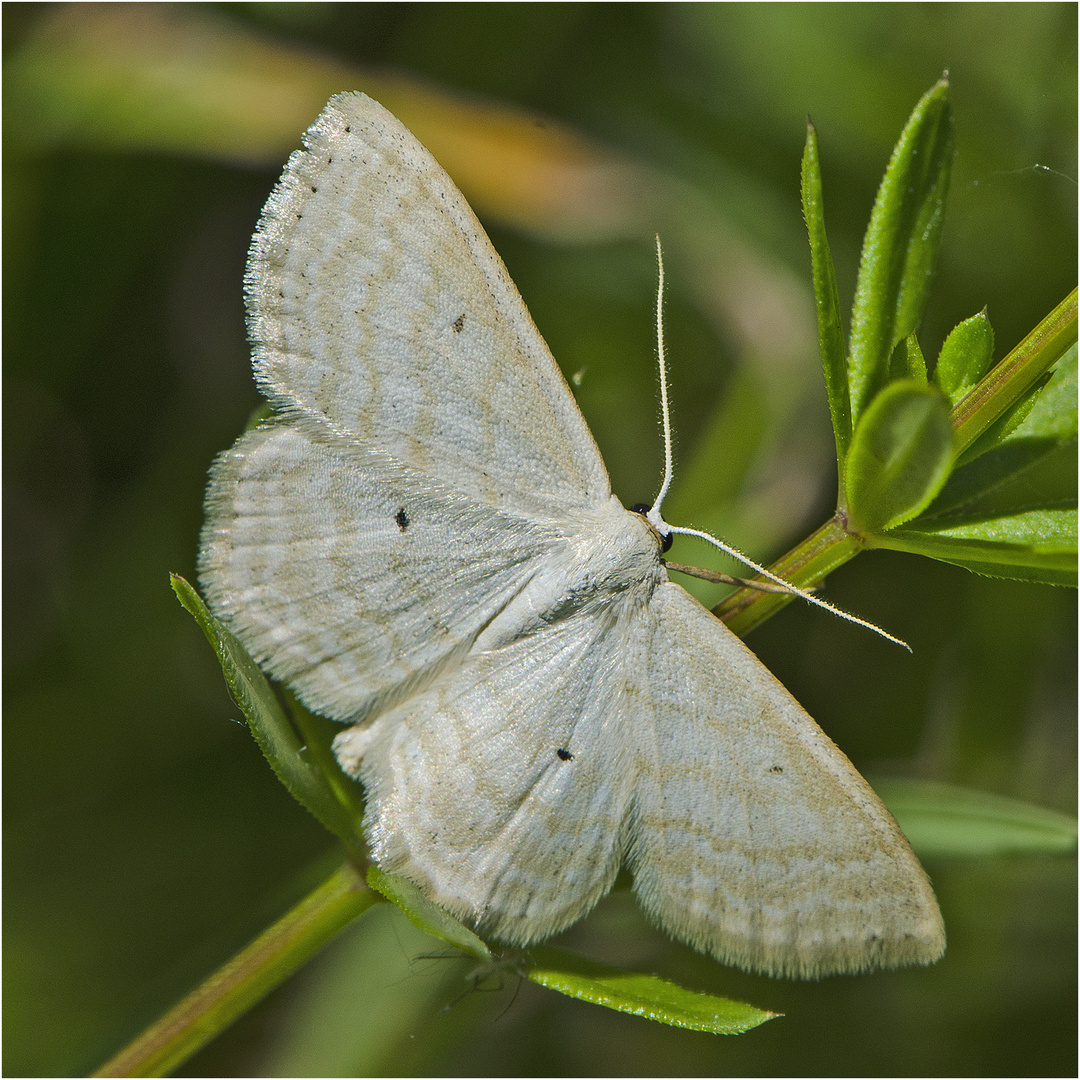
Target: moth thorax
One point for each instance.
(620, 551)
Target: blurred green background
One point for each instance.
(146, 840)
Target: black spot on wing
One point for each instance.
(402, 519)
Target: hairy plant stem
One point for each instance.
(805, 565)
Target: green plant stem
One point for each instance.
(805, 565)
(246, 979)
(1021, 369)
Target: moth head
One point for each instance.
(665, 537)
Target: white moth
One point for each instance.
(424, 544)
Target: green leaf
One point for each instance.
(830, 329)
(640, 995)
(901, 245)
(1039, 545)
(1033, 467)
(1011, 512)
(425, 915)
(318, 734)
(900, 456)
(940, 819)
(625, 991)
(276, 737)
(965, 357)
(259, 415)
(908, 361)
(1020, 475)
(1008, 382)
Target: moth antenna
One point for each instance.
(655, 518)
(793, 589)
(665, 413)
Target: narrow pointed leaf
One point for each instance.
(318, 734)
(425, 915)
(901, 245)
(900, 456)
(640, 995)
(942, 819)
(277, 738)
(830, 329)
(965, 357)
(908, 361)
